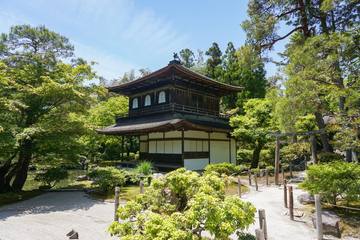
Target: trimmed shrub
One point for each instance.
(336, 180)
(326, 157)
(51, 176)
(107, 178)
(225, 168)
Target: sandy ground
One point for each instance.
(279, 225)
(52, 215)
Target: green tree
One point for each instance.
(182, 205)
(213, 63)
(252, 129)
(187, 57)
(46, 91)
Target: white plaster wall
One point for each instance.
(143, 137)
(218, 135)
(219, 151)
(233, 151)
(160, 146)
(152, 146)
(196, 164)
(173, 134)
(196, 134)
(156, 135)
(176, 146)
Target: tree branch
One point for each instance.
(271, 44)
(288, 12)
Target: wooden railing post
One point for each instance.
(239, 186)
(267, 177)
(249, 173)
(291, 203)
(116, 205)
(319, 227)
(259, 234)
(262, 222)
(283, 173)
(256, 182)
(285, 194)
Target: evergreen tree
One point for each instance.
(187, 57)
(213, 63)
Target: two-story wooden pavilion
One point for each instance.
(175, 113)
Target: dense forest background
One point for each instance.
(50, 107)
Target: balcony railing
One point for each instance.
(172, 107)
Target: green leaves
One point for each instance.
(182, 205)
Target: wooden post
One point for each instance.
(319, 227)
(249, 173)
(262, 221)
(291, 172)
(256, 183)
(277, 160)
(313, 148)
(141, 187)
(291, 203)
(283, 173)
(259, 234)
(239, 186)
(267, 177)
(117, 194)
(285, 194)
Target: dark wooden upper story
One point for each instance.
(174, 88)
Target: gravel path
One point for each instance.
(279, 225)
(53, 215)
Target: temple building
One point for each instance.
(175, 114)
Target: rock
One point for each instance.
(157, 175)
(72, 234)
(81, 178)
(331, 223)
(306, 198)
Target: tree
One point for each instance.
(187, 58)
(45, 90)
(252, 129)
(213, 63)
(182, 205)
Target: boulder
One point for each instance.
(331, 223)
(81, 178)
(306, 198)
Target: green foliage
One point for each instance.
(213, 63)
(295, 151)
(51, 176)
(335, 180)
(182, 205)
(224, 169)
(187, 57)
(326, 157)
(107, 178)
(145, 168)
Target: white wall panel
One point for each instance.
(196, 164)
(143, 147)
(160, 146)
(219, 151)
(217, 135)
(152, 146)
(156, 135)
(176, 146)
(173, 134)
(233, 151)
(143, 137)
(196, 134)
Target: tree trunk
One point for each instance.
(304, 18)
(22, 166)
(256, 156)
(5, 170)
(323, 136)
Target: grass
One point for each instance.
(126, 193)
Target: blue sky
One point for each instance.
(131, 34)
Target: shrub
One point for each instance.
(326, 157)
(183, 205)
(145, 168)
(107, 178)
(333, 181)
(225, 168)
(51, 176)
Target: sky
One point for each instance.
(120, 35)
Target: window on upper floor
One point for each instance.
(135, 103)
(162, 97)
(147, 100)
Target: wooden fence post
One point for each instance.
(117, 195)
(319, 227)
(256, 182)
(262, 221)
(283, 173)
(141, 187)
(277, 160)
(291, 203)
(239, 186)
(259, 234)
(285, 194)
(291, 171)
(249, 173)
(267, 177)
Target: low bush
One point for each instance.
(107, 178)
(225, 168)
(335, 180)
(326, 157)
(51, 176)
